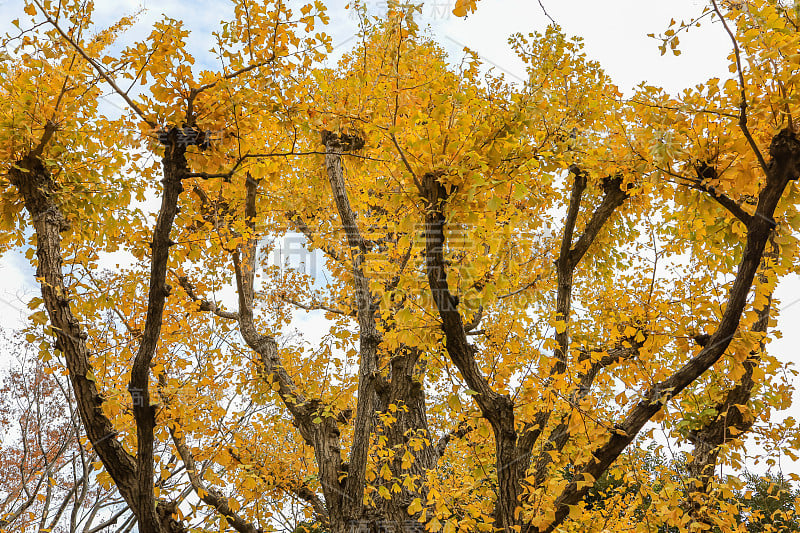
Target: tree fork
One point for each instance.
(783, 168)
(36, 186)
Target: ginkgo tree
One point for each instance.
(518, 280)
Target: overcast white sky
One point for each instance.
(614, 32)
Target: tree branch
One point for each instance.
(459, 433)
(613, 197)
(561, 434)
(205, 305)
(209, 495)
(175, 169)
(316, 306)
(496, 408)
(323, 436)
(706, 172)
(303, 228)
(569, 257)
(369, 337)
(783, 168)
(743, 92)
(35, 185)
(301, 490)
(100, 70)
(732, 416)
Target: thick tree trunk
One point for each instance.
(132, 475)
(405, 394)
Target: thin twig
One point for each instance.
(405, 162)
(546, 14)
(743, 92)
(96, 66)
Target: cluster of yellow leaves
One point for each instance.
(656, 275)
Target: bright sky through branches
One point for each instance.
(615, 35)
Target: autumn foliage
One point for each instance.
(400, 292)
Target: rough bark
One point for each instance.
(497, 408)
(130, 474)
(784, 166)
(323, 437)
(144, 412)
(405, 391)
(369, 337)
(732, 418)
(342, 482)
